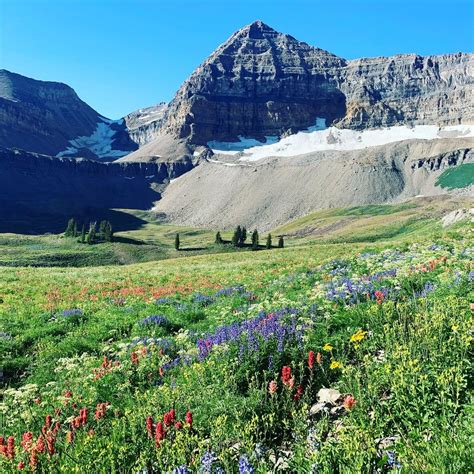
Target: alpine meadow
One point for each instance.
(272, 272)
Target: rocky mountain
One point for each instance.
(143, 124)
(38, 193)
(49, 118)
(221, 193)
(262, 83)
(266, 119)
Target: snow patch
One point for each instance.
(99, 143)
(332, 138)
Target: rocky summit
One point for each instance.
(264, 83)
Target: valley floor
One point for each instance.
(337, 355)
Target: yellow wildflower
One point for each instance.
(358, 336)
(335, 365)
(327, 347)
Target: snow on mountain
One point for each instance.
(320, 139)
(100, 142)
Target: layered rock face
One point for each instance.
(408, 89)
(143, 125)
(49, 118)
(261, 82)
(35, 188)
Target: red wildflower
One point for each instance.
(298, 393)
(83, 415)
(27, 441)
(318, 357)
(285, 374)
(379, 297)
(311, 360)
(100, 411)
(349, 402)
(178, 425)
(189, 419)
(159, 433)
(21, 465)
(69, 437)
(134, 357)
(50, 444)
(40, 446)
(33, 459)
(48, 421)
(161, 371)
(272, 387)
(149, 426)
(10, 447)
(56, 428)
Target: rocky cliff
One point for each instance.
(143, 125)
(49, 118)
(38, 186)
(264, 83)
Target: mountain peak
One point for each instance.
(259, 30)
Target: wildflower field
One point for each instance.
(316, 358)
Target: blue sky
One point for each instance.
(120, 55)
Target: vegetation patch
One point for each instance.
(461, 176)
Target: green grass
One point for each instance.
(461, 176)
(398, 340)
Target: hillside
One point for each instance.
(320, 354)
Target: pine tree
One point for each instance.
(269, 241)
(108, 232)
(75, 229)
(102, 226)
(176, 242)
(90, 239)
(281, 243)
(70, 232)
(243, 236)
(83, 234)
(255, 240)
(237, 236)
(218, 238)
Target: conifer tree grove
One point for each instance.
(281, 243)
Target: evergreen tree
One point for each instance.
(83, 234)
(237, 236)
(71, 225)
(102, 226)
(176, 242)
(255, 240)
(108, 232)
(281, 243)
(269, 241)
(90, 239)
(75, 229)
(243, 236)
(219, 238)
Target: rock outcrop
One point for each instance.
(35, 187)
(49, 118)
(263, 83)
(143, 125)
